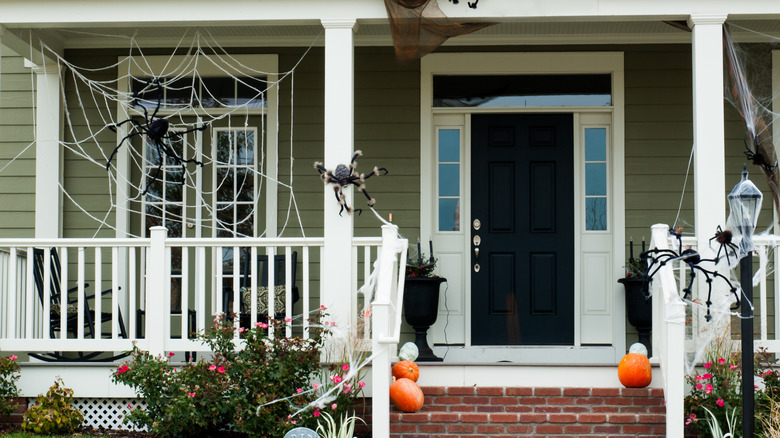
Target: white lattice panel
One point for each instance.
(107, 413)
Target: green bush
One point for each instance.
(52, 413)
(262, 386)
(9, 374)
(719, 390)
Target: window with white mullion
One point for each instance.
(449, 178)
(596, 179)
(235, 190)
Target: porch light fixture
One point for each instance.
(745, 205)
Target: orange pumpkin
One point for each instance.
(406, 395)
(634, 371)
(406, 369)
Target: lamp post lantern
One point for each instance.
(745, 205)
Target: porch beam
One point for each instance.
(47, 149)
(19, 41)
(336, 266)
(708, 127)
(52, 13)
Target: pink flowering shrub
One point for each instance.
(9, 374)
(180, 400)
(719, 389)
(247, 390)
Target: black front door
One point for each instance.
(522, 181)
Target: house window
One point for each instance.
(537, 90)
(596, 179)
(449, 179)
(202, 92)
(235, 192)
(165, 198)
(235, 184)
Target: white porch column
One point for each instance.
(336, 266)
(48, 207)
(708, 127)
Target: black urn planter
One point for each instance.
(421, 308)
(639, 309)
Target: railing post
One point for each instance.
(380, 320)
(670, 323)
(155, 291)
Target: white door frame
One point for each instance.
(454, 258)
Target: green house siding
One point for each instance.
(658, 141)
(17, 156)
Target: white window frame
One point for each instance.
(161, 66)
(233, 167)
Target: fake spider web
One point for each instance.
(751, 94)
(190, 102)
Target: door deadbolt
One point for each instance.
(477, 224)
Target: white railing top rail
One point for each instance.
(75, 242)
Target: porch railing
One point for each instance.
(156, 283)
(765, 319)
(675, 330)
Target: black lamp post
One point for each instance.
(745, 205)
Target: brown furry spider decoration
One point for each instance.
(344, 175)
(724, 237)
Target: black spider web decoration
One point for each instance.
(156, 130)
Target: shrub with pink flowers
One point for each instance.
(261, 389)
(9, 374)
(718, 387)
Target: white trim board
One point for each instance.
(607, 336)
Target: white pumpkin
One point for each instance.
(409, 351)
(638, 348)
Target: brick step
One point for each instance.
(497, 412)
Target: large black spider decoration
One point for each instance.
(471, 5)
(156, 130)
(658, 258)
(724, 237)
(344, 175)
(758, 158)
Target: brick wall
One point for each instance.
(495, 412)
(16, 417)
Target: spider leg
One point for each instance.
(159, 97)
(340, 198)
(362, 188)
(116, 149)
(328, 178)
(320, 168)
(133, 121)
(156, 175)
(352, 164)
(180, 133)
(170, 136)
(376, 171)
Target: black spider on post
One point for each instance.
(724, 237)
(757, 157)
(344, 175)
(156, 130)
(658, 258)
